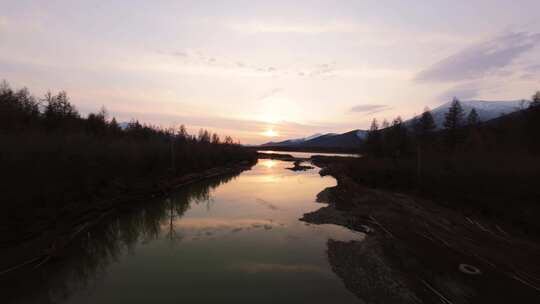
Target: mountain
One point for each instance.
(486, 110)
(351, 139)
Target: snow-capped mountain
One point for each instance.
(362, 134)
(486, 109)
(312, 136)
(123, 125)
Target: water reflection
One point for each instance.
(309, 154)
(268, 163)
(233, 237)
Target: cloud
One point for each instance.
(369, 108)
(180, 54)
(480, 59)
(323, 69)
(270, 93)
(200, 61)
(463, 92)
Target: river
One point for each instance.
(233, 239)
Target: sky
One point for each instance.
(270, 70)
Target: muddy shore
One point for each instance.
(416, 251)
(47, 239)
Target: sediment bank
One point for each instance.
(418, 251)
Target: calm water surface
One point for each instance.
(236, 239)
(308, 154)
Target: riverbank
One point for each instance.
(417, 250)
(39, 241)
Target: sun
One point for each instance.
(270, 133)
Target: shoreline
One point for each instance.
(418, 251)
(38, 246)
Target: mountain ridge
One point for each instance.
(487, 110)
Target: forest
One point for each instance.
(53, 159)
(491, 168)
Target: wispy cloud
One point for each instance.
(369, 108)
(323, 69)
(462, 91)
(270, 93)
(200, 59)
(480, 59)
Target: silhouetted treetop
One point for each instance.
(454, 116)
(58, 107)
(535, 100)
(472, 118)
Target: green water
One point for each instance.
(235, 239)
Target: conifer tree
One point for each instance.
(535, 100)
(427, 123)
(374, 138)
(472, 118)
(453, 120)
(454, 116)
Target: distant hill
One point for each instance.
(350, 140)
(294, 141)
(487, 110)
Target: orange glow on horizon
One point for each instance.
(270, 133)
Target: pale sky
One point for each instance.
(241, 68)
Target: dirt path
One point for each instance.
(419, 252)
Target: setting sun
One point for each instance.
(270, 133)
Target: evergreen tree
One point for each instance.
(114, 126)
(385, 124)
(182, 133)
(472, 118)
(535, 100)
(204, 136)
(374, 139)
(215, 138)
(374, 126)
(453, 120)
(533, 124)
(103, 114)
(417, 129)
(454, 116)
(427, 123)
(396, 139)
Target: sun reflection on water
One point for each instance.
(268, 163)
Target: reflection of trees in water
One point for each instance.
(86, 259)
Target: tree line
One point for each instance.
(460, 131)
(479, 167)
(21, 111)
(52, 158)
